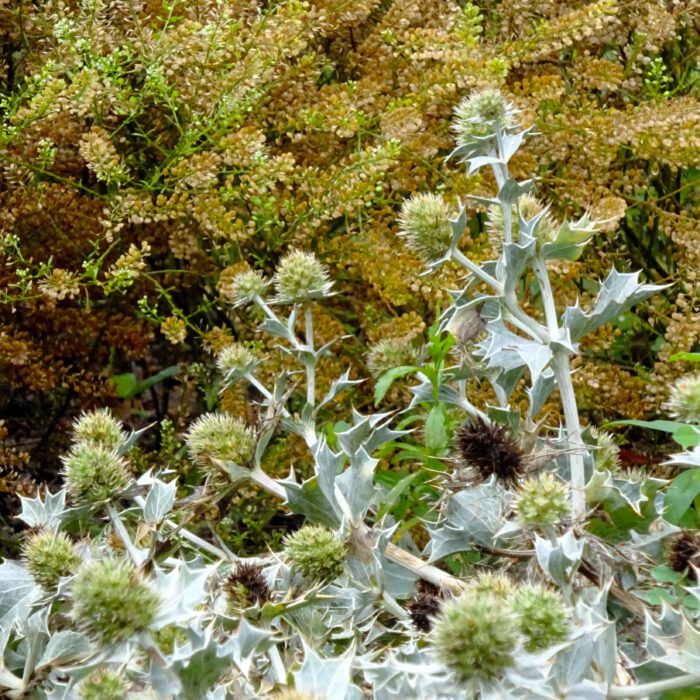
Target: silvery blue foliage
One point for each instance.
(229, 628)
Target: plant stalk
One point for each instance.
(560, 364)
(310, 364)
(655, 688)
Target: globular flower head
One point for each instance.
(389, 353)
(111, 601)
(683, 553)
(425, 222)
(94, 474)
(424, 606)
(542, 501)
(103, 684)
(542, 616)
(220, 436)
(246, 585)
(476, 636)
(316, 553)
(301, 277)
(489, 449)
(481, 114)
(684, 400)
(235, 360)
(606, 453)
(99, 429)
(246, 286)
(291, 694)
(530, 207)
(499, 585)
(50, 556)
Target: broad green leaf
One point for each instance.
(435, 430)
(681, 493)
(387, 379)
(687, 436)
(686, 356)
(665, 426)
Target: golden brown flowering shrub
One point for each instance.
(151, 150)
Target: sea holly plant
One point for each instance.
(125, 589)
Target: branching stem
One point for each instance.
(655, 688)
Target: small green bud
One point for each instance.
(94, 474)
(99, 429)
(103, 684)
(498, 585)
(301, 277)
(606, 453)
(235, 360)
(316, 553)
(542, 616)
(684, 400)
(246, 286)
(220, 436)
(111, 601)
(476, 636)
(542, 501)
(390, 353)
(530, 207)
(425, 222)
(50, 556)
(480, 115)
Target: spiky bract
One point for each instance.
(246, 585)
(94, 474)
(316, 553)
(99, 429)
(542, 501)
(684, 400)
(542, 616)
(489, 449)
(683, 553)
(425, 222)
(111, 601)
(220, 436)
(103, 684)
(389, 353)
(301, 277)
(50, 556)
(476, 636)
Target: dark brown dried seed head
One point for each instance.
(490, 450)
(424, 606)
(247, 585)
(683, 553)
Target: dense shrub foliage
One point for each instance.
(151, 151)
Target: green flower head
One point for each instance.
(542, 501)
(235, 361)
(111, 601)
(246, 286)
(530, 207)
(103, 684)
(606, 453)
(499, 585)
(390, 353)
(542, 616)
(50, 556)
(316, 553)
(425, 223)
(94, 474)
(220, 436)
(301, 277)
(684, 400)
(476, 636)
(480, 115)
(99, 429)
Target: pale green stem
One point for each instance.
(119, 528)
(550, 310)
(263, 390)
(267, 310)
(462, 259)
(655, 688)
(560, 364)
(311, 363)
(535, 329)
